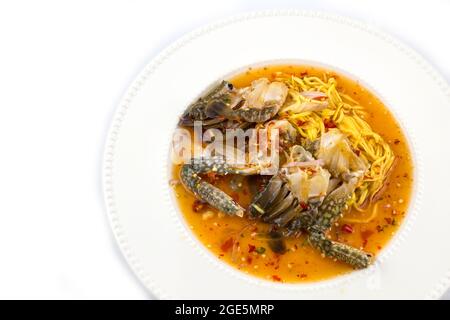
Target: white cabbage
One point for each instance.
(309, 185)
(338, 156)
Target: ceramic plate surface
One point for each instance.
(146, 221)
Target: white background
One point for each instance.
(64, 66)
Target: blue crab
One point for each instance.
(284, 203)
(254, 104)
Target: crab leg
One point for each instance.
(205, 191)
(329, 212)
(334, 204)
(340, 251)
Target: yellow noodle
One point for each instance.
(348, 116)
(365, 220)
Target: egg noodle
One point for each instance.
(344, 113)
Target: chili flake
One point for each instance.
(347, 228)
(227, 245)
(304, 205)
(329, 124)
(276, 278)
(198, 206)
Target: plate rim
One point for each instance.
(121, 110)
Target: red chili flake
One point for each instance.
(303, 275)
(347, 228)
(366, 234)
(300, 123)
(227, 245)
(304, 73)
(249, 260)
(276, 278)
(329, 124)
(364, 244)
(198, 205)
(388, 220)
(358, 152)
(379, 247)
(304, 205)
(212, 177)
(251, 248)
(396, 141)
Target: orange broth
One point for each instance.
(234, 240)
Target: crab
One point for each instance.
(307, 194)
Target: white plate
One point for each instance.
(147, 224)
